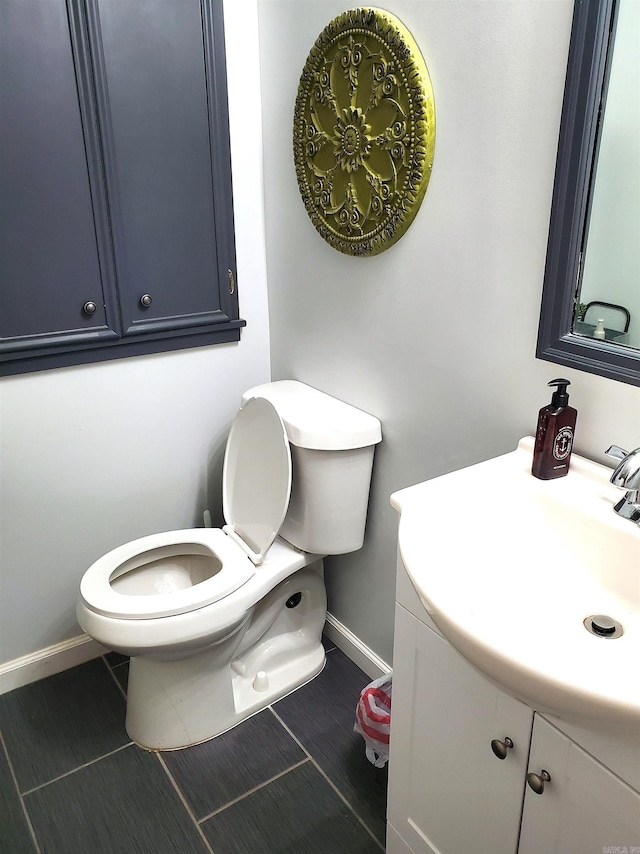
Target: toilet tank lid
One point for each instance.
(316, 420)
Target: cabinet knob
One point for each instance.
(89, 308)
(537, 781)
(500, 747)
(145, 300)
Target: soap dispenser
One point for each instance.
(554, 435)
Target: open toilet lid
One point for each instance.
(256, 478)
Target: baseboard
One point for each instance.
(46, 662)
(355, 649)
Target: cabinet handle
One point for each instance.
(89, 308)
(232, 283)
(537, 781)
(500, 747)
(145, 300)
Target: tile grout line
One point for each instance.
(329, 781)
(255, 789)
(184, 802)
(114, 677)
(346, 802)
(25, 812)
(79, 768)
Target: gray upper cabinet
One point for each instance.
(115, 181)
(50, 262)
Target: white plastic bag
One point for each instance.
(373, 719)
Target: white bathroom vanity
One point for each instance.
(473, 770)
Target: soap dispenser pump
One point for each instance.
(554, 435)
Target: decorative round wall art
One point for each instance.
(363, 131)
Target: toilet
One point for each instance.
(219, 623)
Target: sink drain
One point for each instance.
(602, 626)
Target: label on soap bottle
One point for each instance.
(563, 443)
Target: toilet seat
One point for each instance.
(256, 492)
(98, 593)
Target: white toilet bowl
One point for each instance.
(220, 623)
(192, 669)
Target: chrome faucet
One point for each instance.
(627, 476)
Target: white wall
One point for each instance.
(93, 456)
(436, 336)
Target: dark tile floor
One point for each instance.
(292, 779)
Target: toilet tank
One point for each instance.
(332, 446)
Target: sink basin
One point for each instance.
(508, 567)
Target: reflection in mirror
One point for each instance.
(610, 286)
(590, 315)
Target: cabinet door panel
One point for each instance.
(584, 808)
(49, 262)
(449, 793)
(158, 153)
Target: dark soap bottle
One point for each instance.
(554, 435)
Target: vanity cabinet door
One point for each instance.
(583, 809)
(448, 792)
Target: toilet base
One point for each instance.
(178, 703)
(176, 722)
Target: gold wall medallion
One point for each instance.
(363, 131)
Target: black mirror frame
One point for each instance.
(587, 71)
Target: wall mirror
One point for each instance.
(590, 316)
